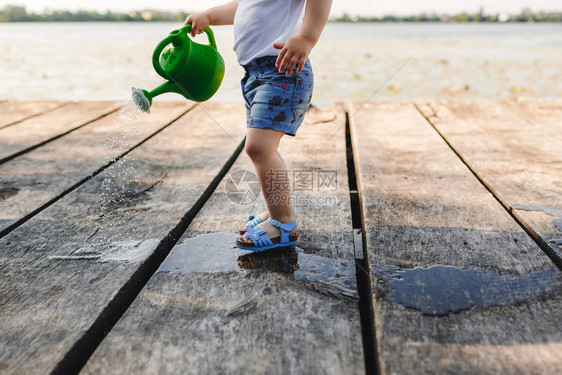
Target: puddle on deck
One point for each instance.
(216, 252)
(440, 290)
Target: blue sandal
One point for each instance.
(260, 241)
(253, 221)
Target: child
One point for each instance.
(272, 44)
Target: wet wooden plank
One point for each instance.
(459, 287)
(212, 308)
(35, 179)
(15, 139)
(514, 145)
(14, 112)
(57, 274)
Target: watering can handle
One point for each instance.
(207, 30)
(209, 33)
(174, 39)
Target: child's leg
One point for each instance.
(263, 216)
(261, 147)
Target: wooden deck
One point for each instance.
(431, 241)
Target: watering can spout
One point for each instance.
(191, 69)
(142, 99)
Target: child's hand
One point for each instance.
(295, 50)
(198, 22)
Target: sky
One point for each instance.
(352, 7)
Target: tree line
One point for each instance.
(13, 13)
(526, 15)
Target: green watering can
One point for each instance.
(193, 70)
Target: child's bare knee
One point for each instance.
(256, 151)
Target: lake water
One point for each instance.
(101, 61)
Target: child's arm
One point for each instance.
(298, 47)
(221, 15)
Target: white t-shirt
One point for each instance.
(260, 23)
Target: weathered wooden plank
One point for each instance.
(212, 308)
(541, 112)
(56, 278)
(15, 139)
(514, 146)
(35, 179)
(459, 287)
(14, 112)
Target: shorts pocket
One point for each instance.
(277, 79)
(273, 101)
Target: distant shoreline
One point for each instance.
(12, 13)
(330, 21)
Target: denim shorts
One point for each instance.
(276, 100)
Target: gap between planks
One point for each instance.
(362, 268)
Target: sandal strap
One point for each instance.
(284, 228)
(253, 221)
(258, 237)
